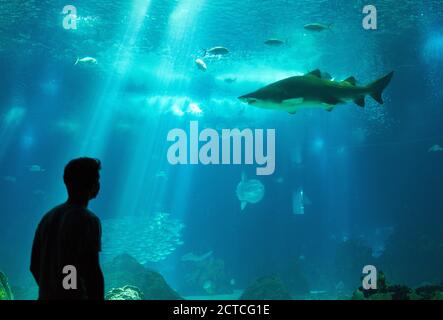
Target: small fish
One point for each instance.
(10, 179)
(201, 64)
(299, 201)
(317, 292)
(435, 148)
(208, 286)
(274, 42)
(280, 180)
(86, 60)
(161, 174)
(341, 150)
(36, 168)
(216, 51)
(317, 27)
(38, 192)
(230, 80)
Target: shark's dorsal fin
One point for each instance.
(351, 80)
(316, 73)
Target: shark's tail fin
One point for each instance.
(76, 61)
(377, 87)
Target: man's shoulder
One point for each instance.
(89, 217)
(49, 214)
(92, 216)
(77, 211)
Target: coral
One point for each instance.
(267, 288)
(437, 296)
(428, 291)
(382, 283)
(5, 290)
(358, 295)
(382, 286)
(399, 292)
(148, 239)
(381, 296)
(124, 270)
(415, 296)
(385, 291)
(125, 293)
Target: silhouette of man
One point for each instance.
(70, 235)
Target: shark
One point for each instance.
(315, 90)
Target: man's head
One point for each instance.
(82, 177)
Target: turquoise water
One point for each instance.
(351, 187)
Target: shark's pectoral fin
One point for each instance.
(243, 205)
(360, 101)
(332, 101)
